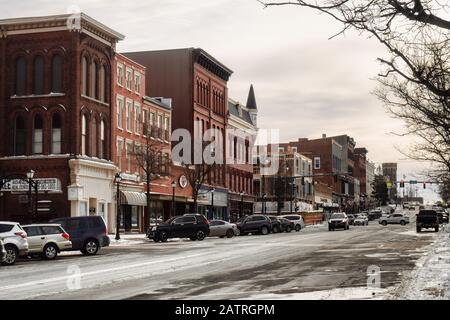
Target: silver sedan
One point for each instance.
(220, 228)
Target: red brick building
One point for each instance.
(197, 84)
(55, 93)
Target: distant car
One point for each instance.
(427, 219)
(15, 241)
(361, 220)
(286, 225)
(220, 228)
(2, 252)
(299, 224)
(47, 240)
(396, 218)
(256, 223)
(351, 219)
(338, 220)
(87, 234)
(192, 226)
(443, 215)
(375, 214)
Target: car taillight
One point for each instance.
(65, 235)
(21, 234)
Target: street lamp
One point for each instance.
(118, 178)
(30, 175)
(242, 204)
(212, 202)
(174, 185)
(264, 204)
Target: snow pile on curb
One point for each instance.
(351, 293)
(127, 240)
(430, 280)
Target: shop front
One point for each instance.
(213, 203)
(240, 205)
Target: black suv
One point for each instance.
(254, 224)
(192, 226)
(88, 234)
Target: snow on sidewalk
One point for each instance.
(430, 280)
(128, 239)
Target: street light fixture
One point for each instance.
(212, 202)
(30, 175)
(174, 185)
(241, 211)
(118, 178)
(264, 204)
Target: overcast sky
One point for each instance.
(305, 84)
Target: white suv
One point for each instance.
(297, 219)
(15, 240)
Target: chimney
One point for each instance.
(324, 136)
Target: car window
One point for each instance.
(184, 220)
(5, 227)
(293, 218)
(75, 224)
(337, 216)
(33, 231)
(51, 230)
(95, 222)
(217, 223)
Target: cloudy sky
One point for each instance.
(305, 84)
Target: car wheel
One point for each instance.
(275, 229)
(288, 229)
(163, 236)
(418, 229)
(298, 228)
(11, 255)
(156, 239)
(384, 223)
(264, 230)
(436, 229)
(50, 252)
(230, 233)
(90, 248)
(200, 235)
(402, 223)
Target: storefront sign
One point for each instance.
(18, 185)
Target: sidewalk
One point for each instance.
(128, 239)
(430, 280)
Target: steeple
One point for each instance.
(251, 100)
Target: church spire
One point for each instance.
(251, 100)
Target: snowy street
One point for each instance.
(311, 264)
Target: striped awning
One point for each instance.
(134, 198)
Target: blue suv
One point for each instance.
(88, 234)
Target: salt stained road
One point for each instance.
(311, 264)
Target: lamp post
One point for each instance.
(241, 209)
(264, 204)
(292, 192)
(30, 175)
(212, 202)
(174, 185)
(118, 178)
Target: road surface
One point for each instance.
(312, 263)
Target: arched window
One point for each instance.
(94, 84)
(94, 138)
(38, 132)
(83, 135)
(19, 139)
(56, 134)
(102, 146)
(21, 76)
(103, 86)
(57, 70)
(38, 72)
(84, 75)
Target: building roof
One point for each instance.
(244, 115)
(73, 21)
(251, 100)
(158, 101)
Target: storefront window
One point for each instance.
(83, 209)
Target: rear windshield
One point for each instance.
(51, 230)
(427, 212)
(337, 216)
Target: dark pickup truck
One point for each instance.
(427, 219)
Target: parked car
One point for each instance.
(15, 241)
(286, 225)
(2, 252)
(299, 224)
(351, 219)
(375, 214)
(87, 234)
(338, 220)
(47, 240)
(361, 220)
(192, 226)
(427, 219)
(443, 215)
(396, 218)
(256, 223)
(276, 224)
(220, 228)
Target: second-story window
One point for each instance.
(56, 134)
(144, 122)
(38, 75)
(38, 128)
(166, 128)
(137, 82)
(128, 116)
(137, 113)
(57, 71)
(152, 124)
(84, 75)
(94, 85)
(83, 135)
(20, 137)
(128, 77)
(160, 126)
(102, 146)
(21, 77)
(119, 102)
(103, 85)
(316, 163)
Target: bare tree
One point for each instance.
(414, 83)
(197, 175)
(148, 158)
